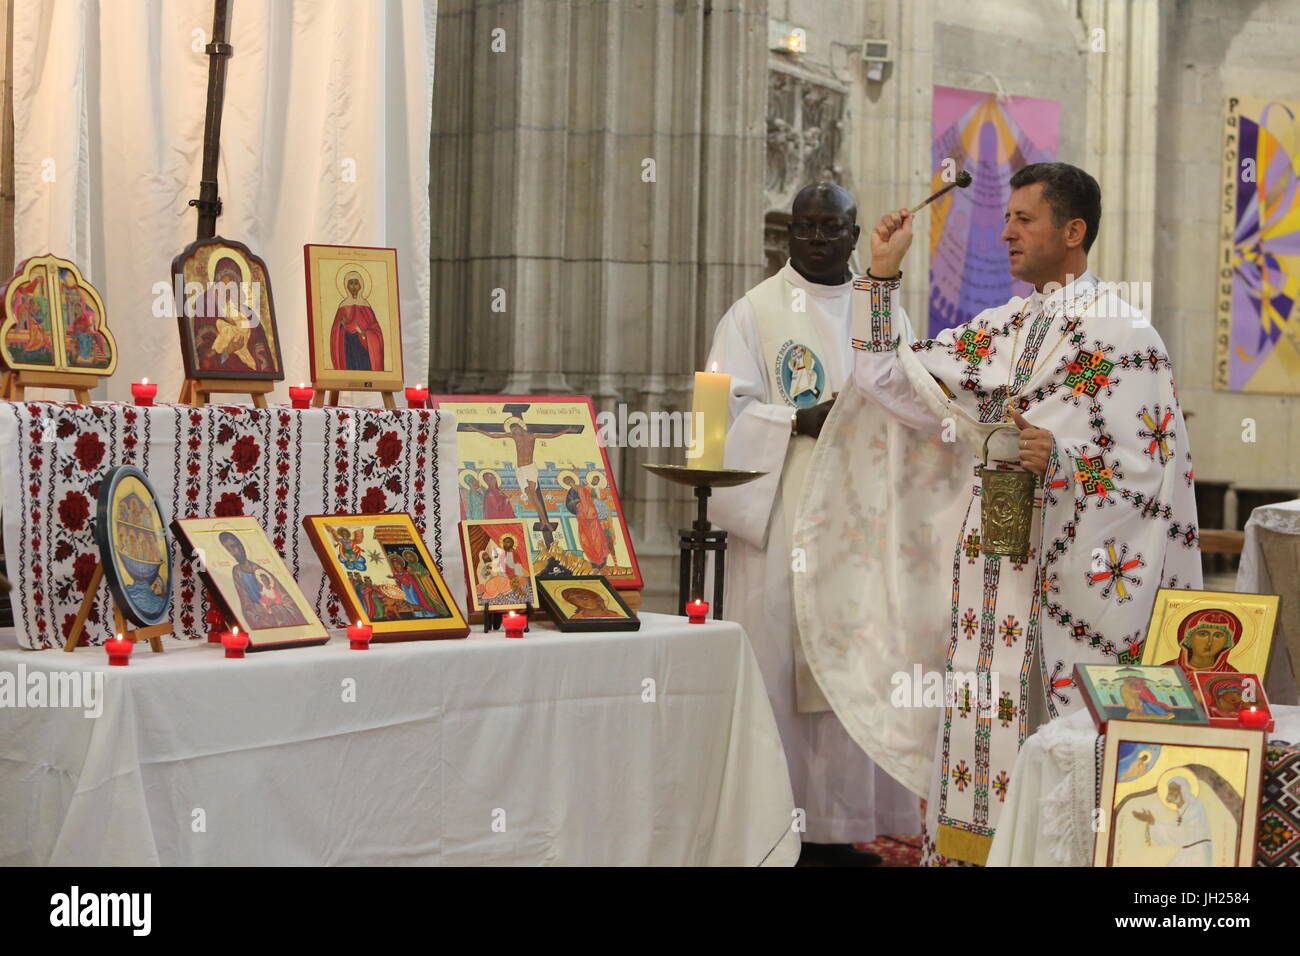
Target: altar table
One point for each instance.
(657, 747)
(1048, 817)
(1270, 564)
(276, 464)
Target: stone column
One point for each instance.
(893, 139)
(1122, 124)
(597, 178)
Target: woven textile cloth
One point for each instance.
(276, 464)
(1279, 810)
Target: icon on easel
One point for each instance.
(134, 558)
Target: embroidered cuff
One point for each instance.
(873, 307)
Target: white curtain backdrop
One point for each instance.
(324, 138)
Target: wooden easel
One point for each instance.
(330, 396)
(153, 635)
(197, 391)
(16, 383)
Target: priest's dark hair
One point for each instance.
(1072, 194)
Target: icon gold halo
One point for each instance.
(341, 277)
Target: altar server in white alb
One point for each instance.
(785, 345)
(901, 585)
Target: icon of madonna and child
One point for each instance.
(264, 601)
(1205, 641)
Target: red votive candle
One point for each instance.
(417, 397)
(697, 611)
(359, 634)
(234, 642)
(144, 391)
(514, 623)
(216, 625)
(1256, 718)
(119, 651)
(301, 395)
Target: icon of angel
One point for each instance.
(348, 547)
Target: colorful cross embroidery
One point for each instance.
(1059, 545)
(1186, 534)
(961, 775)
(969, 623)
(1094, 475)
(1274, 834)
(1056, 685)
(1030, 558)
(1158, 433)
(1006, 709)
(972, 546)
(1151, 360)
(1147, 507)
(1089, 372)
(964, 707)
(1000, 785)
(1011, 630)
(973, 346)
(1115, 571)
(1132, 653)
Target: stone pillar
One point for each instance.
(892, 122)
(598, 177)
(1122, 125)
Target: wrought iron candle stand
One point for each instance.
(700, 538)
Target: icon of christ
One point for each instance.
(525, 438)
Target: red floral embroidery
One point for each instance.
(74, 509)
(245, 453)
(89, 451)
(82, 569)
(388, 448)
(374, 502)
(230, 506)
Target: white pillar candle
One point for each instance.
(709, 420)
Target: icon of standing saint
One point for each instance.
(356, 338)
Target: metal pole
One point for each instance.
(218, 51)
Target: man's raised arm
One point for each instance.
(878, 324)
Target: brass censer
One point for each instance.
(1006, 507)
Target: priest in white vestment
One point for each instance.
(938, 656)
(785, 345)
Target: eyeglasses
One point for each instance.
(810, 230)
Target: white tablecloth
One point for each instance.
(1048, 817)
(1270, 564)
(482, 751)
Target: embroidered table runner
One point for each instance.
(276, 464)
